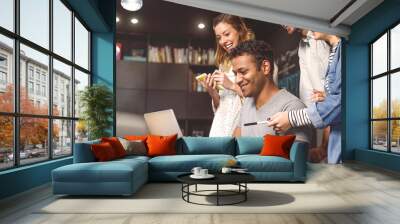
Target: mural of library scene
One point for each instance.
(158, 60)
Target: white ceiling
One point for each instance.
(310, 14)
(321, 9)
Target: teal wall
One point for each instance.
(356, 133)
(99, 15)
(103, 53)
(24, 178)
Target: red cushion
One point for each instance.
(116, 145)
(161, 145)
(103, 151)
(136, 137)
(277, 145)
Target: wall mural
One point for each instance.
(230, 76)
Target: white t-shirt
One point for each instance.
(313, 61)
(226, 116)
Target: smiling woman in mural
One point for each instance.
(225, 93)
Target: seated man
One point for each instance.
(253, 67)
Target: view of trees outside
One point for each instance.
(33, 137)
(62, 144)
(6, 141)
(34, 79)
(380, 88)
(379, 128)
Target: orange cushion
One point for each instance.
(161, 145)
(103, 152)
(136, 137)
(277, 145)
(116, 145)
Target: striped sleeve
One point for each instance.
(299, 118)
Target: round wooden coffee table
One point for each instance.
(238, 179)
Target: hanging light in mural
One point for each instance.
(132, 5)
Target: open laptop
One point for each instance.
(162, 123)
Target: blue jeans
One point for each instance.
(335, 145)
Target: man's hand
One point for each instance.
(280, 121)
(222, 79)
(318, 96)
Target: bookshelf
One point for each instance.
(157, 72)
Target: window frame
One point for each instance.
(388, 74)
(16, 114)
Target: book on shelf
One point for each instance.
(134, 58)
(167, 54)
(199, 56)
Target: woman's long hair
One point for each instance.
(238, 24)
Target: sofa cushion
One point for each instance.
(257, 163)
(249, 145)
(116, 145)
(134, 147)
(185, 163)
(161, 145)
(206, 145)
(277, 145)
(131, 158)
(103, 152)
(112, 171)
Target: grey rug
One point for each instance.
(166, 198)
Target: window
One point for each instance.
(3, 78)
(385, 96)
(6, 143)
(7, 14)
(34, 21)
(3, 72)
(6, 73)
(30, 87)
(45, 131)
(62, 29)
(44, 91)
(81, 81)
(37, 89)
(62, 137)
(30, 72)
(3, 61)
(81, 45)
(62, 74)
(37, 74)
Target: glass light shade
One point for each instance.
(132, 5)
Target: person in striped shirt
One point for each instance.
(325, 111)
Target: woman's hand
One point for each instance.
(318, 96)
(210, 85)
(280, 121)
(222, 79)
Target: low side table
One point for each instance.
(238, 179)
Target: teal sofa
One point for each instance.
(125, 176)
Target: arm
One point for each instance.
(210, 85)
(320, 114)
(222, 79)
(236, 132)
(327, 112)
(214, 101)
